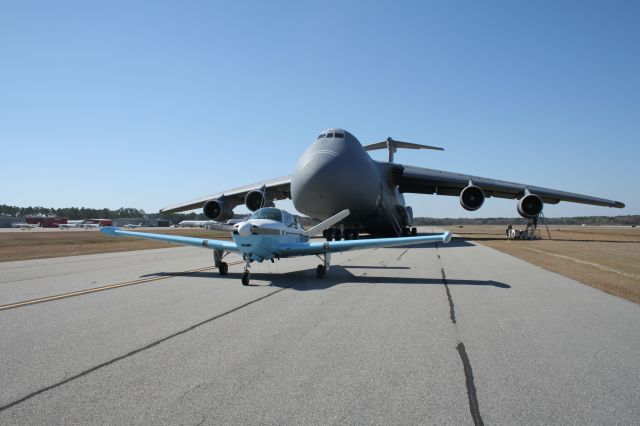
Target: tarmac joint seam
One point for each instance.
(136, 351)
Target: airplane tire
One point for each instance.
(414, 231)
(223, 268)
(338, 234)
(320, 271)
(245, 278)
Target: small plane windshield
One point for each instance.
(267, 213)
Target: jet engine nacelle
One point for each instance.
(256, 199)
(217, 210)
(472, 198)
(530, 206)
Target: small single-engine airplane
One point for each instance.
(270, 233)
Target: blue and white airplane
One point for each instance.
(270, 233)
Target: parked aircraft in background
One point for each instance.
(132, 225)
(23, 225)
(85, 223)
(336, 173)
(196, 223)
(271, 233)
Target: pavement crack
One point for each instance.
(136, 351)
(472, 395)
(471, 387)
(402, 254)
(452, 308)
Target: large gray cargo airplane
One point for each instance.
(336, 173)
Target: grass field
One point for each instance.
(604, 258)
(39, 244)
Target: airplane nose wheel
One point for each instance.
(245, 275)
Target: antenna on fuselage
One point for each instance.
(392, 145)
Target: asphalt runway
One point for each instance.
(459, 334)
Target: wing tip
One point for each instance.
(109, 230)
(446, 237)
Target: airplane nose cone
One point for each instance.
(333, 176)
(244, 229)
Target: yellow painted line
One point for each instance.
(584, 262)
(102, 288)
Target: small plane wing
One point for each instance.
(301, 249)
(279, 188)
(429, 181)
(177, 239)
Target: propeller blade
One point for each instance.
(264, 231)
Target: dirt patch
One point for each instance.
(604, 258)
(40, 244)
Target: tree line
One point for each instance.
(76, 213)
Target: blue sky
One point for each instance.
(145, 104)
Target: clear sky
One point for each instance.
(146, 104)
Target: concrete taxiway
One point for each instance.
(459, 334)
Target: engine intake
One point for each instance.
(256, 199)
(530, 206)
(217, 210)
(472, 198)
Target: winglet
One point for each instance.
(446, 237)
(109, 230)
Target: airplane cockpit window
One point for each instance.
(340, 135)
(267, 213)
(321, 136)
(288, 218)
(329, 135)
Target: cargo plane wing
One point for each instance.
(336, 173)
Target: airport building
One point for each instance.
(46, 221)
(6, 221)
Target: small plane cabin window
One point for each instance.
(321, 136)
(267, 213)
(288, 219)
(329, 135)
(340, 135)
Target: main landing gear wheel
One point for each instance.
(414, 231)
(245, 278)
(320, 271)
(223, 268)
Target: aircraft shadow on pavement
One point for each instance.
(305, 280)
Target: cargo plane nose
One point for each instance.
(334, 163)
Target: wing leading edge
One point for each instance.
(176, 239)
(302, 249)
(279, 188)
(430, 181)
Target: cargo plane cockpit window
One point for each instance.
(321, 136)
(340, 135)
(329, 135)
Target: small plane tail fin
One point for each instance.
(392, 146)
(328, 223)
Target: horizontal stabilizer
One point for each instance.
(319, 228)
(392, 145)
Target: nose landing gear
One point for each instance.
(246, 274)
